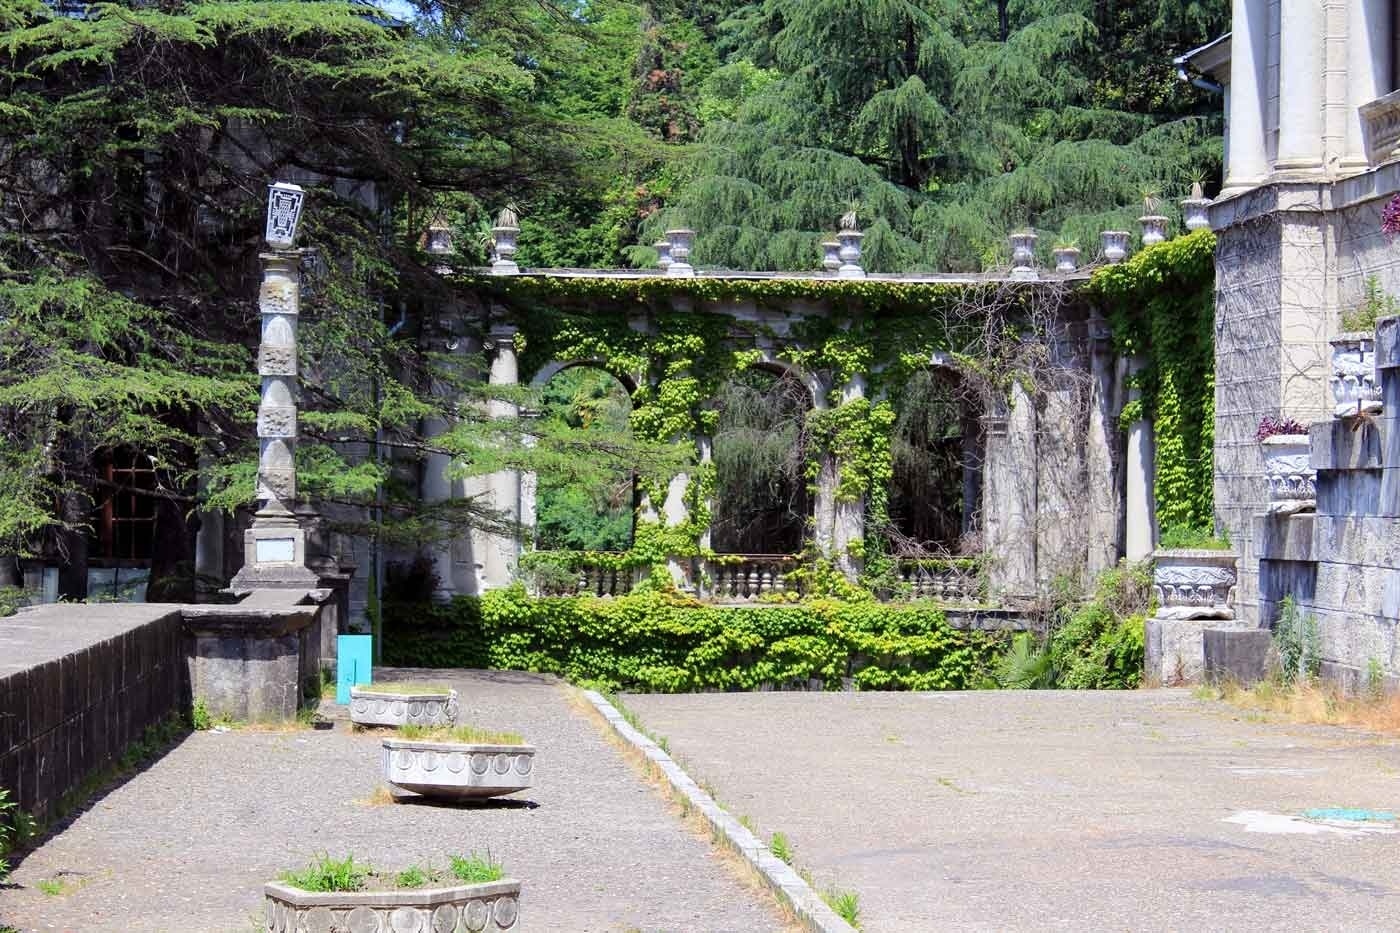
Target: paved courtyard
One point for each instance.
(185, 846)
(1065, 810)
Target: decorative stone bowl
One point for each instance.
(457, 770)
(1154, 229)
(1115, 244)
(478, 908)
(1194, 583)
(369, 707)
(1193, 213)
(1292, 480)
(1066, 259)
(1353, 382)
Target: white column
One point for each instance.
(1248, 165)
(1300, 118)
(848, 523)
(501, 552)
(1140, 506)
(1368, 71)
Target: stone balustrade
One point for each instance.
(1382, 121)
(947, 581)
(745, 578)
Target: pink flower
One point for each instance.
(1390, 217)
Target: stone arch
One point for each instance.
(935, 497)
(553, 368)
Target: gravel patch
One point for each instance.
(187, 844)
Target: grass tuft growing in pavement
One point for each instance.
(845, 903)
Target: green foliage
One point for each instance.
(845, 903)
(467, 734)
(1375, 680)
(662, 642)
(780, 847)
(411, 877)
(1099, 645)
(1161, 306)
(1181, 538)
(11, 598)
(324, 874)
(476, 869)
(1025, 666)
(200, 718)
(1298, 643)
(1375, 304)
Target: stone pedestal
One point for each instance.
(258, 660)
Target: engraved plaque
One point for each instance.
(275, 550)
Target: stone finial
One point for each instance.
(663, 254)
(504, 235)
(1023, 255)
(680, 241)
(1115, 245)
(848, 247)
(1066, 258)
(831, 255)
(439, 239)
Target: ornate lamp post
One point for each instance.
(274, 548)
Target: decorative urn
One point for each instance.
(680, 241)
(1115, 245)
(663, 254)
(1023, 254)
(1066, 259)
(1154, 229)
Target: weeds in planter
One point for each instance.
(412, 877)
(472, 735)
(781, 848)
(328, 874)
(405, 689)
(845, 903)
(476, 869)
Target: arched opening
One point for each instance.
(599, 513)
(761, 502)
(936, 447)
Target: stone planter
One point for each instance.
(478, 908)
(1194, 583)
(1023, 255)
(457, 770)
(848, 252)
(663, 254)
(1193, 213)
(503, 262)
(1115, 245)
(1066, 259)
(369, 707)
(831, 255)
(1292, 480)
(1354, 386)
(680, 241)
(1154, 229)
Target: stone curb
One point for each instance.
(776, 873)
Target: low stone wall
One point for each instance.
(77, 685)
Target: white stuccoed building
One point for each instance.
(1312, 157)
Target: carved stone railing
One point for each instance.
(743, 578)
(947, 581)
(1382, 119)
(601, 577)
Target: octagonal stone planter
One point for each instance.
(463, 908)
(457, 770)
(369, 707)
(1287, 466)
(1194, 583)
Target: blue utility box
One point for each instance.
(354, 664)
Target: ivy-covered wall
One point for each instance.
(854, 343)
(1160, 305)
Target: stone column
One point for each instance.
(1009, 497)
(1249, 164)
(1141, 511)
(275, 546)
(435, 483)
(209, 541)
(1368, 71)
(1300, 119)
(1101, 444)
(848, 517)
(501, 551)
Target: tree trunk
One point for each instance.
(74, 508)
(1003, 20)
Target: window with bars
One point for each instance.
(126, 510)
